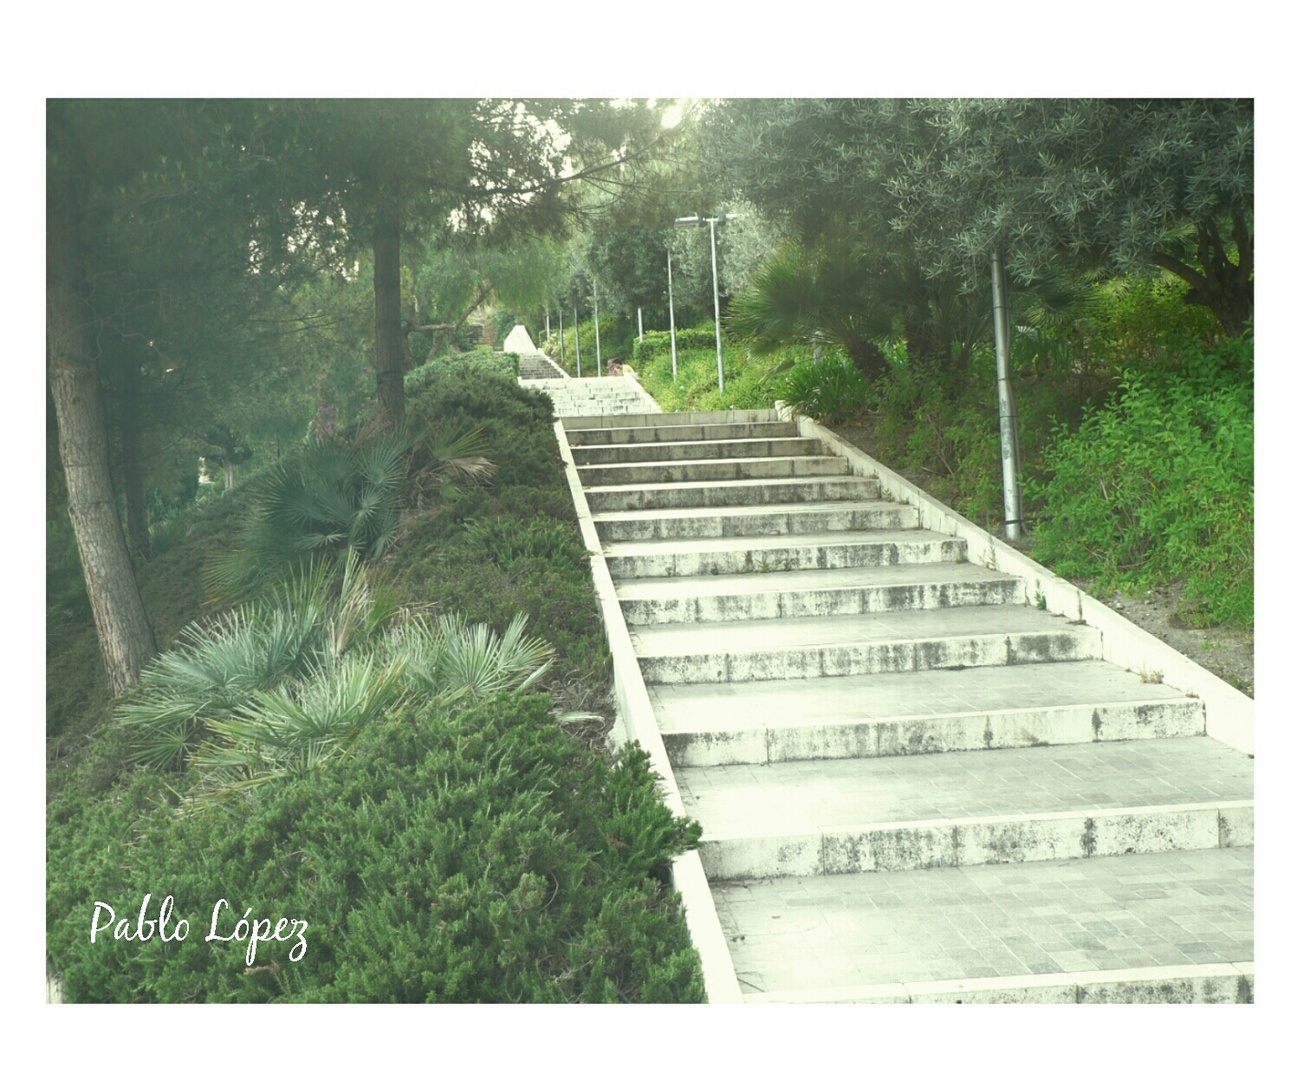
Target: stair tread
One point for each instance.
(843, 539)
(855, 482)
(799, 797)
(1139, 911)
(771, 509)
(900, 574)
(689, 707)
(756, 635)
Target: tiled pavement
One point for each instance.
(1177, 907)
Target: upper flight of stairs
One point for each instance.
(913, 785)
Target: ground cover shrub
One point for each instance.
(467, 855)
(750, 374)
(1157, 487)
(657, 343)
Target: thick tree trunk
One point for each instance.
(1227, 288)
(126, 640)
(134, 487)
(386, 308)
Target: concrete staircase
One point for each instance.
(914, 786)
(612, 395)
(534, 366)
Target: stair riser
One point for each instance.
(634, 453)
(1142, 986)
(675, 433)
(773, 560)
(672, 472)
(710, 495)
(818, 603)
(687, 419)
(981, 842)
(799, 521)
(823, 661)
(936, 734)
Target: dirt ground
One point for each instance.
(1225, 651)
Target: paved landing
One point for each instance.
(1130, 911)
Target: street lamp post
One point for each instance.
(699, 220)
(673, 333)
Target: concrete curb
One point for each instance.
(636, 723)
(1230, 714)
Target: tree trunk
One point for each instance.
(867, 357)
(1225, 287)
(229, 476)
(386, 308)
(126, 640)
(134, 487)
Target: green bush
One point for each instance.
(657, 343)
(1156, 487)
(830, 390)
(468, 857)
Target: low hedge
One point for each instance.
(656, 343)
(482, 856)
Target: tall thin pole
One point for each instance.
(559, 305)
(640, 335)
(714, 270)
(547, 341)
(595, 318)
(673, 333)
(1009, 436)
(577, 349)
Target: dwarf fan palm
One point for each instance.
(285, 685)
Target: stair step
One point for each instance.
(712, 470)
(1172, 926)
(775, 554)
(729, 493)
(780, 519)
(852, 590)
(859, 644)
(684, 432)
(698, 450)
(1020, 805)
(693, 419)
(918, 712)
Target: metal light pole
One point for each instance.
(714, 270)
(577, 349)
(640, 336)
(673, 333)
(595, 321)
(1009, 436)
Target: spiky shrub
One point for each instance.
(285, 686)
(334, 497)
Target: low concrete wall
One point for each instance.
(636, 723)
(1229, 714)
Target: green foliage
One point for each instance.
(333, 497)
(285, 686)
(831, 389)
(467, 856)
(1159, 486)
(657, 343)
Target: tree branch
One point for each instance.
(440, 343)
(1189, 274)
